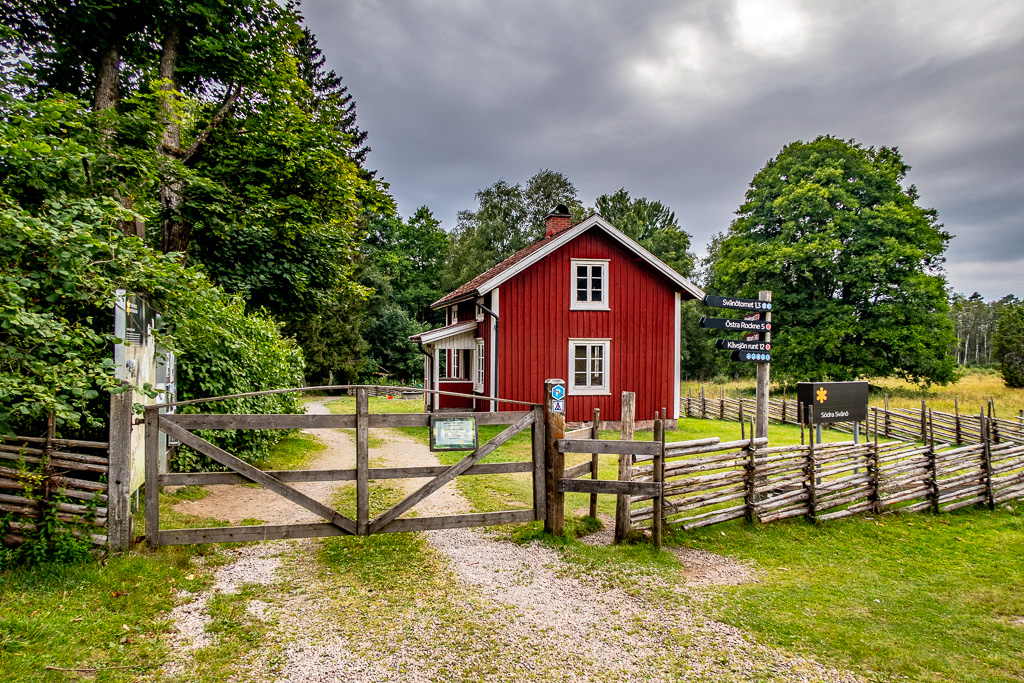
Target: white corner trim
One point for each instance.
(675, 364)
(496, 307)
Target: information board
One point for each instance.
(453, 433)
(834, 401)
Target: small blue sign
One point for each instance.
(558, 392)
(558, 406)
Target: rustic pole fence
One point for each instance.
(595, 434)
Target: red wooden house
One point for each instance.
(585, 304)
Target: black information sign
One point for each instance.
(752, 357)
(734, 302)
(735, 325)
(738, 345)
(834, 401)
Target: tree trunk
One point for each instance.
(175, 236)
(108, 75)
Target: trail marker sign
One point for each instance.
(834, 401)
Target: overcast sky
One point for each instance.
(685, 101)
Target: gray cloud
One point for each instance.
(684, 102)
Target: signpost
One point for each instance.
(755, 347)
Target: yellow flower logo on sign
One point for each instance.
(822, 395)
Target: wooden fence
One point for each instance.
(46, 476)
(707, 481)
(956, 428)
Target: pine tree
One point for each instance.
(330, 100)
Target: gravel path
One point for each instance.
(501, 612)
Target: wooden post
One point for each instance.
(362, 461)
(933, 462)
(622, 522)
(800, 419)
(763, 377)
(924, 423)
(750, 499)
(595, 434)
(743, 423)
(152, 472)
(554, 461)
(659, 500)
(873, 469)
(539, 488)
(993, 424)
(887, 416)
(956, 417)
(812, 487)
(119, 476)
(703, 404)
(987, 465)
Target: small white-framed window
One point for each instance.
(455, 314)
(456, 372)
(478, 380)
(589, 285)
(589, 366)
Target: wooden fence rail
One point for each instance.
(45, 475)
(706, 484)
(898, 423)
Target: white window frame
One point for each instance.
(481, 364)
(455, 314)
(577, 305)
(456, 369)
(604, 389)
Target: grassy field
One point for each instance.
(913, 597)
(972, 391)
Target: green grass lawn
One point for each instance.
(918, 597)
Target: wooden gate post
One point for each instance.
(554, 461)
(622, 523)
(362, 461)
(595, 434)
(539, 465)
(152, 472)
(659, 477)
(119, 476)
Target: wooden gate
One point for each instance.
(181, 427)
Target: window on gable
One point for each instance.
(589, 368)
(589, 285)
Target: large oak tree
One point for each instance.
(854, 264)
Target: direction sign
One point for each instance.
(834, 401)
(752, 357)
(736, 325)
(558, 392)
(752, 337)
(734, 302)
(737, 345)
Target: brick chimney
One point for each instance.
(557, 220)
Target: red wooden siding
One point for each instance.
(446, 402)
(536, 324)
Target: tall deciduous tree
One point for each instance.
(854, 263)
(650, 223)
(507, 219)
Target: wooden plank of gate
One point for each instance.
(263, 421)
(455, 470)
(578, 470)
(594, 446)
(251, 473)
(612, 486)
(292, 476)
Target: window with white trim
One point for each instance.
(589, 285)
(589, 366)
(478, 384)
(456, 369)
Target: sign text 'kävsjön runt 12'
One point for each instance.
(742, 345)
(834, 401)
